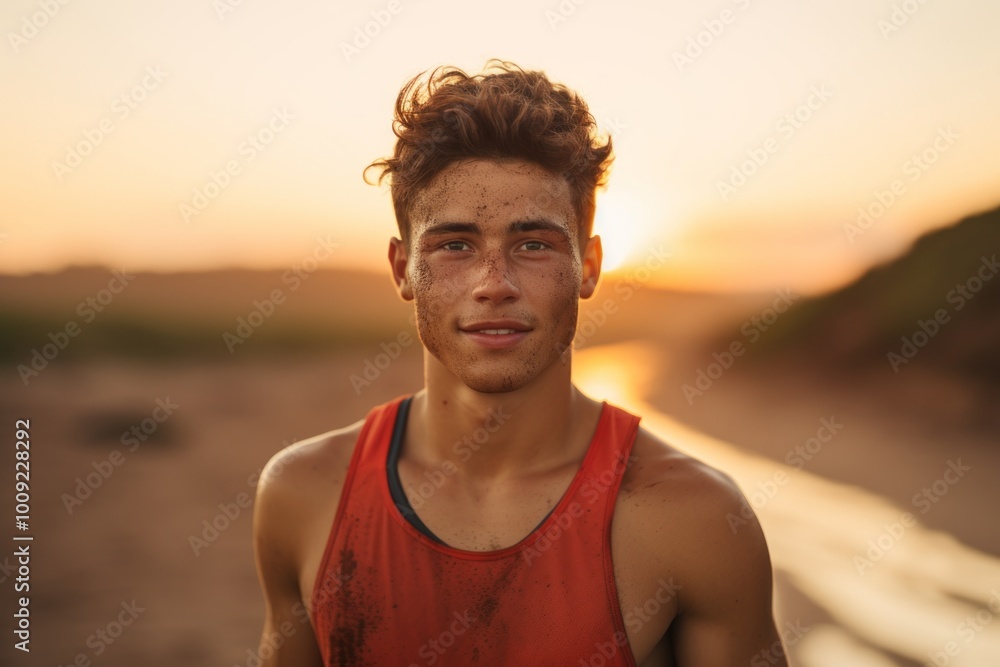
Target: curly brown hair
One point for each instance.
(507, 113)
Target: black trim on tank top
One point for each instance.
(396, 486)
(392, 468)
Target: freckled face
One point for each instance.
(495, 271)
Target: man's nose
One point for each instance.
(495, 281)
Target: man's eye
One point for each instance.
(533, 245)
(456, 246)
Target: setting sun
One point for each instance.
(616, 225)
(193, 147)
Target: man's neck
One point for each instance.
(496, 436)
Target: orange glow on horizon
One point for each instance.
(187, 146)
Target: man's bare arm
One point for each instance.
(287, 639)
(726, 618)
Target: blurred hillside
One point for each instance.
(167, 316)
(170, 315)
(936, 308)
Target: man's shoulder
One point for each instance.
(686, 525)
(684, 508)
(299, 477)
(323, 458)
(658, 470)
(297, 492)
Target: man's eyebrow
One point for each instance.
(519, 226)
(452, 228)
(541, 225)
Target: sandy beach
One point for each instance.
(163, 526)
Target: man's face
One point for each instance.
(496, 268)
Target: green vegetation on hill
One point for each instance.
(937, 305)
(202, 315)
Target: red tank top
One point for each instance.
(387, 594)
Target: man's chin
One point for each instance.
(495, 376)
(494, 385)
(489, 379)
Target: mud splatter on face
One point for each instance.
(490, 274)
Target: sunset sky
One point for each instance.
(836, 101)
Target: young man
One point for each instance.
(498, 516)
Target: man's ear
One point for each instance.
(593, 255)
(398, 260)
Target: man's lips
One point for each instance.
(496, 327)
(496, 334)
